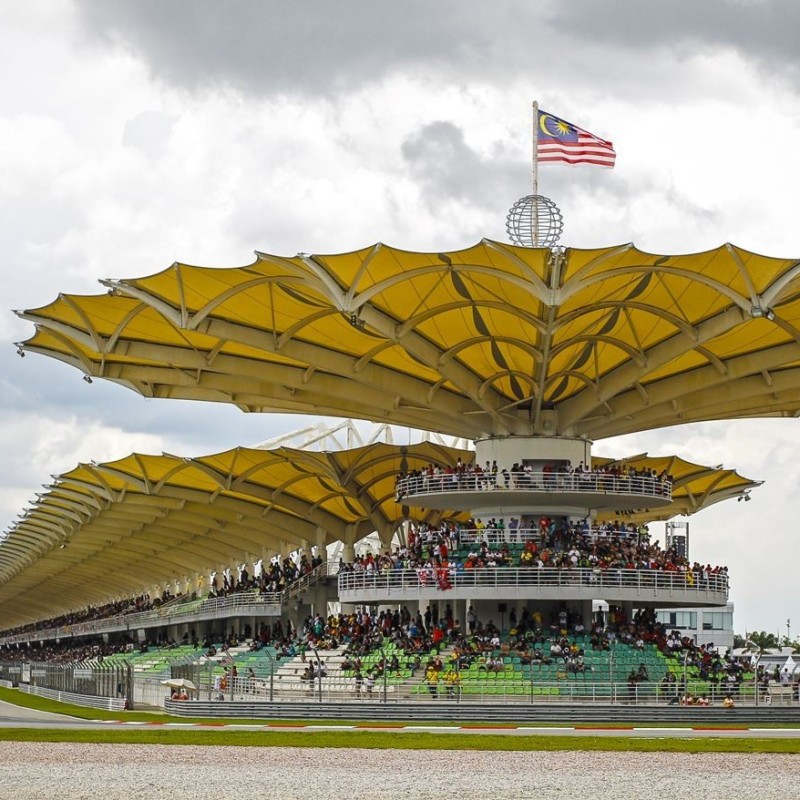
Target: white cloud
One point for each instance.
(36, 447)
(133, 134)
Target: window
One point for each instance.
(717, 621)
(682, 620)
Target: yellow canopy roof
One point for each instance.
(112, 530)
(694, 487)
(474, 342)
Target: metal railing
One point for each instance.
(249, 602)
(304, 582)
(643, 580)
(88, 679)
(93, 681)
(212, 607)
(547, 482)
(572, 689)
(499, 536)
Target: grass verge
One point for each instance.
(365, 739)
(377, 740)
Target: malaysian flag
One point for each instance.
(560, 142)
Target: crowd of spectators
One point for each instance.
(276, 576)
(549, 476)
(705, 662)
(88, 648)
(418, 638)
(273, 578)
(65, 652)
(133, 605)
(361, 634)
(438, 552)
(436, 649)
(421, 640)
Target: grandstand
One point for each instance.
(533, 354)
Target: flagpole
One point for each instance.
(535, 147)
(535, 173)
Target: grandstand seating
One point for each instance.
(512, 681)
(342, 681)
(156, 659)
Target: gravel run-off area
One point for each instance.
(34, 771)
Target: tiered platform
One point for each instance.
(657, 588)
(534, 489)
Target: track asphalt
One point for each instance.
(12, 716)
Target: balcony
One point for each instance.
(496, 537)
(238, 604)
(245, 604)
(534, 490)
(653, 587)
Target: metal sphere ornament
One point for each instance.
(534, 221)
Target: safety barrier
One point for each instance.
(90, 701)
(451, 711)
(84, 683)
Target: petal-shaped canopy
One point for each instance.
(471, 343)
(694, 487)
(112, 530)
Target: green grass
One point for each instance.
(81, 712)
(400, 740)
(379, 740)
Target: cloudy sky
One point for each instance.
(134, 133)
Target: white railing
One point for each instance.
(105, 703)
(499, 536)
(250, 602)
(212, 607)
(546, 482)
(526, 578)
